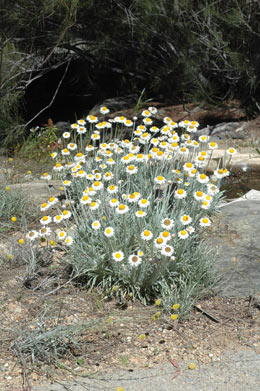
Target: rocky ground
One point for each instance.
(221, 336)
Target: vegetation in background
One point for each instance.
(181, 51)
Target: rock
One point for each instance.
(232, 130)
(235, 239)
(205, 115)
(38, 192)
(116, 104)
(62, 126)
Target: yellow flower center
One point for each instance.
(121, 207)
(147, 233)
(165, 234)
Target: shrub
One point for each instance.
(135, 209)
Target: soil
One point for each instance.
(111, 336)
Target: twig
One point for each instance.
(206, 313)
(25, 375)
(176, 365)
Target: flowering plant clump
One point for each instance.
(134, 209)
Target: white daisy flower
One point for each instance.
(65, 152)
(212, 189)
(66, 135)
(146, 235)
(68, 240)
(122, 209)
(213, 145)
(132, 198)
(131, 169)
(58, 219)
(53, 155)
(190, 229)
(72, 146)
(95, 136)
(81, 130)
(188, 167)
(160, 180)
(32, 235)
(202, 178)
(167, 250)
(45, 220)
(167, 223)
(134, 260)
(203, 138)
(97, 185)
(94, 205)
(147, 121)
(183, 234)
(89, 148)
(185, 220)
(128, 123)
(118, 256)
(231, 151)
(81, 174)
(96, 225)
(66, 183)
(109, 232)
(104, 110)
(46, 176)
(180, 194)
(61, 235)
(198, 195)
(140, 213)
(143, 203)
(112, 189)
(53, 200)
(183, 151)
(113, 202)
(146, 113)
(92, 119)
(107, 176)
(45, 206)
(205, 205)
(205, 222)
(66, 214)
(159, 242)
(45, 231)
(154, 129)
(153, 110)
(165, 235)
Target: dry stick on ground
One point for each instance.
(22, 361)
(206, 313)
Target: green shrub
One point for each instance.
(137, 209)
